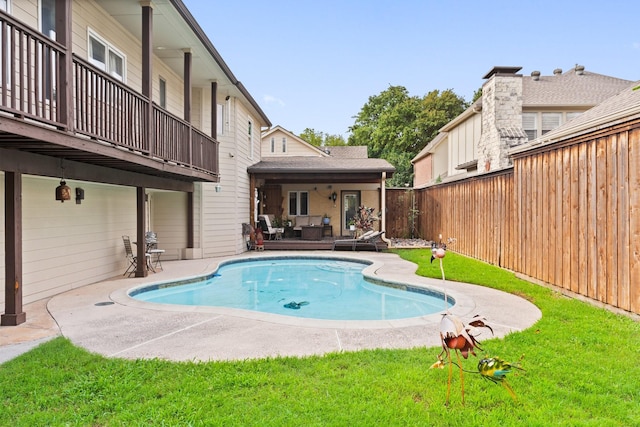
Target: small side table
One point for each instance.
(329, 228)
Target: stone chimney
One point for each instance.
(501, 118)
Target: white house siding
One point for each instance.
(25, 10)
(66, 245)
(294, 148)
(168, 218)
(224, 212)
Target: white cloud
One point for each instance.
(273, 100)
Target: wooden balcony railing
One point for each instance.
(104, 108)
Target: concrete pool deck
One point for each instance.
(103, 319)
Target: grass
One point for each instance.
(582, 369)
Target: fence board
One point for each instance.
(567, 215)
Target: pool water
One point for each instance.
(318, 288)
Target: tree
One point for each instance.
(321, 139)
(396, 126)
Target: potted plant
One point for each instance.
(352, 224)
(326, 219)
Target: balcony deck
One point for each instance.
(94, 119)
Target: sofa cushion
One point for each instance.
(315, 220)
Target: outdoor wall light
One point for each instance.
(79, 195)
(63, 192)
(333, 196)
(218, 188)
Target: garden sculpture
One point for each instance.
(495, 369)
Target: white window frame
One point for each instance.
(546, 117)
(162, 92)
(220, 111)
(297, 208)
(284, 144)
(250, 136)
(52, 33)
(5, 5)
(533, 128)
(109, 50)
(273, 145)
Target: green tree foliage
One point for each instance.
(396, 126)
(319, 139)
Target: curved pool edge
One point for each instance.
(122, 331)
(376, 270)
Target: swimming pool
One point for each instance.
(305, 287)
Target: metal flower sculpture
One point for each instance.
(495, 369)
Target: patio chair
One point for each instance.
(151, 239)
(133, 260)
(368, 239)
(265, 226)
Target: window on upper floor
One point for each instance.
(550, 121)
(47, 18)
(106, 57)
(250, 137)
(298, 203)
(273, 145)
(162, 88)
(4, 5)
(284, 144)
(529, 125)
(221, 118)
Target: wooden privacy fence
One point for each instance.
(567, 214)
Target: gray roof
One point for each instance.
(570, 89)
(306, 164)
(619, 108)
(348, 151)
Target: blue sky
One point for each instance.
(314, 64)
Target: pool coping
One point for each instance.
(102, 319)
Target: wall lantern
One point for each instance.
(63, 192)
(333, 196)
(79, 195)
(218, 188)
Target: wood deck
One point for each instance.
(297, 244)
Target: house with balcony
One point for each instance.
(116, 118)
(513, 109)
(296, 179)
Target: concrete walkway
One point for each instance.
(103, 319)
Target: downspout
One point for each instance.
(383, 207)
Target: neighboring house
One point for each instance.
(512, 110)
(130, 104)
(295, 178)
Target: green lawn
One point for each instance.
(582, 369)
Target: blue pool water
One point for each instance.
(318, 288)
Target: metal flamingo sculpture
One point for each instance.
(454, 334)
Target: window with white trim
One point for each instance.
(250, 137)
(47, 18)
(162, 88)
(284, 144)
(4, 5)
(529, 125)
(273, 145)
(298, 203)
(550, 121)
(106, 57)
(221, 119)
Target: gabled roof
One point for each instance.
(573, 88)
(278, 128)
(619, 108)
